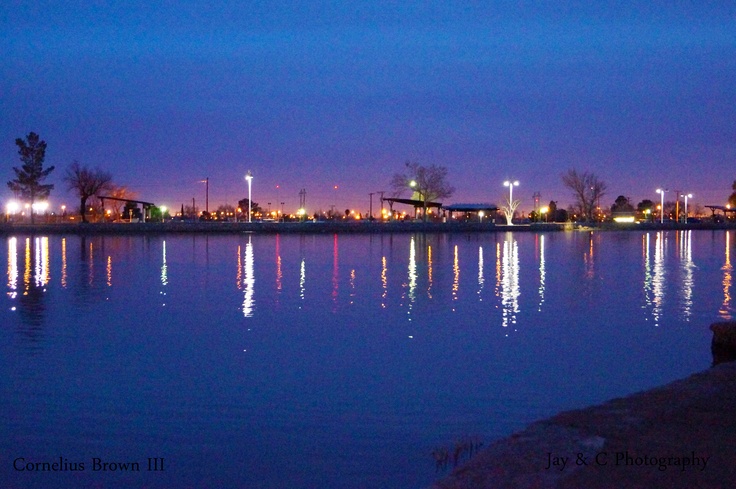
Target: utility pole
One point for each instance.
(206, 182)
(677, 205)
(370, 206)
(381, 192)
(537, 197)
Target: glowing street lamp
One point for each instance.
(510, 185)
(661, 194)
(687, 196)
(249, 178)
(13, 207)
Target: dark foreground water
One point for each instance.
(329, 361)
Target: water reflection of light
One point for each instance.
(12, 268)
(542, 272)
(384, 281)
(725, 311)
(588, 258)
(91, 276)
(510, 290)
(41, 264)
(430, 280)
(498, 269)
(686, 260)
(481, 280)
(647, 269)
(302, 278)
(63, 262)
(279, 273)
(335, 282)
(164, 266)
(455, 275)
(108, 270)
(248, 281)
(352, 285)
(654, 276)
(27, 267)
(239, 271)
(412, 271)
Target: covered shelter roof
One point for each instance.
(471, 207)
(146, 204)
(724, 209)
(411, 202)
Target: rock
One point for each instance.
(723, 346)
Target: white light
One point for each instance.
(661, 193)
(12, 207)
(511, 185)
(249, 178)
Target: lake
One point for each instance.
(341, 361)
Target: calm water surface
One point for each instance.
(331, 361)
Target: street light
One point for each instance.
(249, 178)
(687, 196)
(511, 185)
(661, 193)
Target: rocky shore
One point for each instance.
(681, 435)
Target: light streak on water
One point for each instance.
(302, 278)
(248, 281)
(13, 267)
(384, 281)
(481, 280)
(63, 263)
(510, 290)
(27, 268)
(688, 267)
(455, 275)
(412, 271)
(725, 311)
(108, 271)
(542, 272)
(430, 272)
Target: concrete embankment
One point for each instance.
(681, 435)
(320, 227)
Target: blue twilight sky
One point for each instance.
(317, 94)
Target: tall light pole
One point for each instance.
(687, 196)
(661, 194)
(206, 183)
(249, 179)
(510, 185)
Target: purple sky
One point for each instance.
(317, 94)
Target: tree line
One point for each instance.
(428, 184)
(84, 181)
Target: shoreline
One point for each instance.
(327, 227)
(680, 435)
